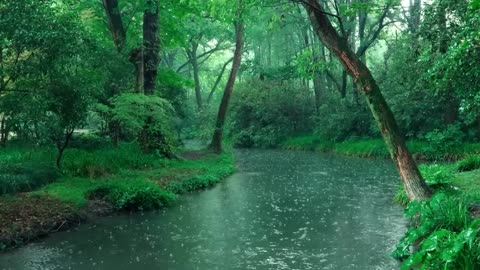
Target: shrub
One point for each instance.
(90, 142)
(469, 164)
(134, 194)
(267, 112)
(445, 232)
(444, 141)
(105, 162)
(22, 177)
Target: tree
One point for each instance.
(413, 182)
(216, 143)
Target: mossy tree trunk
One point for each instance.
(151, 46)
(413, 182)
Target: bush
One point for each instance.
(445, 141)
(23, 177)
(105, 162)
(265, 113)
(134, 194)
(123, 193)
(89, 142)
(469, 164)
(445, 233)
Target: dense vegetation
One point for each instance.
(98, 97)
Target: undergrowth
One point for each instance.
(375, 148)
(443, 233)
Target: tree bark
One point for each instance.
(3, 131)
(219, 78)
(151, 45)
(136, 58)
(413, 182)
(317, 88)
(61, 146)
(115, 23)
(216, 144)
(192, 57)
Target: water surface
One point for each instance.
(281, 210)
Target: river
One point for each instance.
(281, 210)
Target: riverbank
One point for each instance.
(445, 230)
(36, 199)
(375, 148)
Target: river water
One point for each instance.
(281, 210)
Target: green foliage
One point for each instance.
(133, 194)
(265, 113)
(309, 143)
(133, 111)
(23, 177)
(89, 142)
(147, 117)
(437, 174)
(444, 141)
(363, 148)
(123, 194)
(336, 121)
(105, 162)
(445, 233)
(469, 164)
(203, 173)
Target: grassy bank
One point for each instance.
(37, 199)
(444, 232)
(375, 148)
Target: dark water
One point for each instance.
(282, 210)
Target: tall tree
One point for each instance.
(216, 144)
(151, 45)
(413, 182)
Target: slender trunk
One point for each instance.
(219, 79)
(3, 132)
(413, 182)
(151, 44)
(317, 87)
(192, 55)
(2, 86)
(216, 144)
(62, 146)
(136, 58)
(115, 23)
(343, 89)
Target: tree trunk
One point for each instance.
(219, 78)
(343, 89)
(413, 182)
(151, 44)
(115, 23)
(216, 144)
(61, 146)
(3, 132)
(136, 58)
(192, 55)
(317, 88)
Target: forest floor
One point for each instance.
(93, 184)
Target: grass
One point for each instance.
(375, 148)
(124, 178)
(446, 227)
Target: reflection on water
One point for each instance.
(282, 210)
